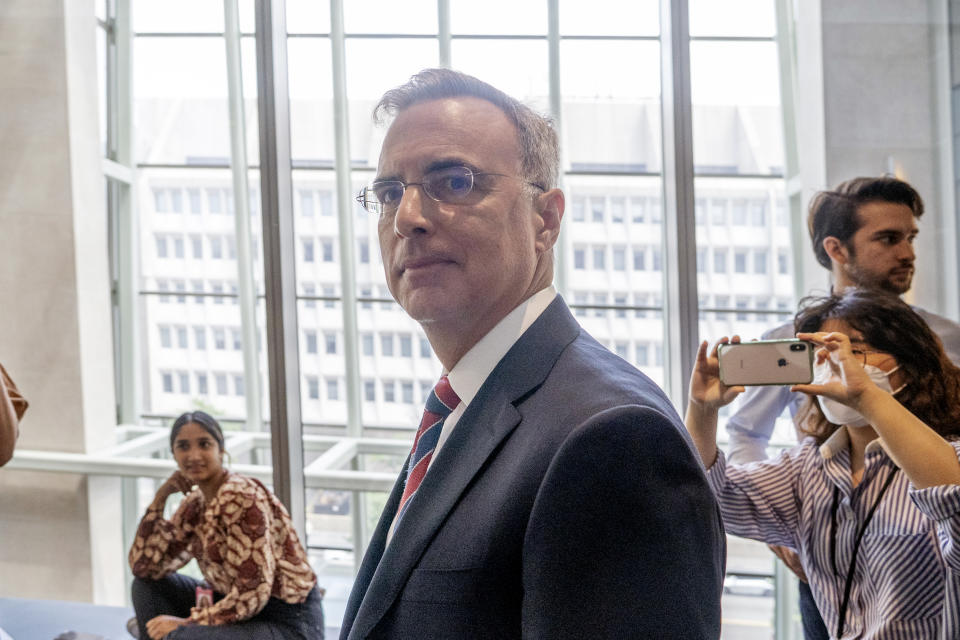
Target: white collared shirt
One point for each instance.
(476, 365)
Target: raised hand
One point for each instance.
(707, 392)
(176, 483)
(841, 375)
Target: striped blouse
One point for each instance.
(907, 574)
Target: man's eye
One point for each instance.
(451, 183)
(458, 184)
(389, 193)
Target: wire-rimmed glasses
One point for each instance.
(452, 185)
(862, 353)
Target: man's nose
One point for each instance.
(411, 217)
(907, 253)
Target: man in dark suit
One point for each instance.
(552, 491)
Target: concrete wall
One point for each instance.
(884, 73)
(55, 328)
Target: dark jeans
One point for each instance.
(175, 594)
(813, 627)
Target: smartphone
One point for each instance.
(766, 362)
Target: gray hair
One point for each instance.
(536, 137)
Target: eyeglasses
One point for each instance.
(862, 353)
(450, 185)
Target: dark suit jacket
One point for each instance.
(568, 502)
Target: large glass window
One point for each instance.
(738, 163)
(187, 235)
(199, 348)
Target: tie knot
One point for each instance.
(444, 399)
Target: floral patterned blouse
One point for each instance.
(244, 542)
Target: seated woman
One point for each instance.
(243, 540)
(871, 499)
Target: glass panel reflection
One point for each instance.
(737, 122)
(737, 18)
(525, 78)
(610, 18)
(611, 118)
(615, 265)
(499, 17)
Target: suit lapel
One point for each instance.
(371, 559)
(489, 419)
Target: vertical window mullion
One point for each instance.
(680, 273)
(238, 163)
(279, 260)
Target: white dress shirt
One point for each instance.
(476, 365)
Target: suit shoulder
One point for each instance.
(593, 377)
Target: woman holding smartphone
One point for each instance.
(871, 498)
(258, 581)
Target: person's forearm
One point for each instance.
(701, 422)
(926, 458)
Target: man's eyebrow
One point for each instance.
(886, 231)
(446, 163)
(385, 179)
(434, 165)
(889, 231)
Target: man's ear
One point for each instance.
(837, 251)
(550, 206)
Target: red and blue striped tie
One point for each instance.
(440, 403)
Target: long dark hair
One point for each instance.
(205, 420)
(888, 324)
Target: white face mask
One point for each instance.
(839, 413)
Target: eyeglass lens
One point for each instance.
(448, 184)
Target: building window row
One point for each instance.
(640, 304)
(617, 209)
(199, 200)
(737, 307)
(195, 246)
(724, 260)
(325, 342)
(387, 390)
(617, 258)
(317, 249)
(224, 292)
(394, 345)
(739, 212)
(397, 391)
(178, 336)
(312, 202)
(202, 383)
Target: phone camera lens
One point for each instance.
(798, 347)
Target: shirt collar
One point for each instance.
(470, 372)
(840, 440)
